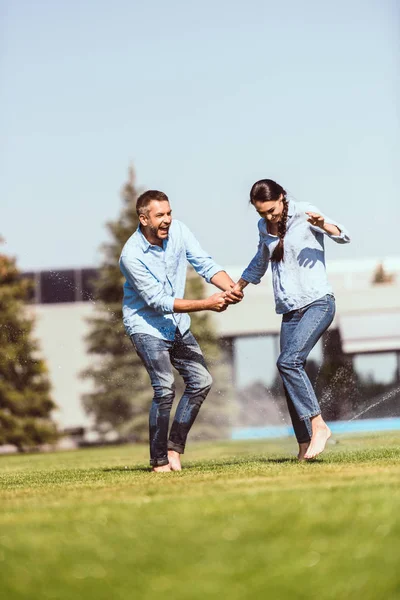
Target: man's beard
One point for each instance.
(155, 232)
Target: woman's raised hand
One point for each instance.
(316, 219)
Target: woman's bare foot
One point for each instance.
(320, 435)
(162, 469)
(174, 460)
(303, 447)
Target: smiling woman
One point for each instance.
(269, 200)
(291, 237)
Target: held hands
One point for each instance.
(221, 300)
(235, 294)
(316, 219)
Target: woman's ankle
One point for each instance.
(317, 422)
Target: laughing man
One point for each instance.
(155, 314)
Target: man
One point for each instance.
(155, 314)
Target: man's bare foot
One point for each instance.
(174, 460)
(162, 469)
(303, 447)
(320, 435)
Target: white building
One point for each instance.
(368, 318)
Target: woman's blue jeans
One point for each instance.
(159, 356)
(301, 329)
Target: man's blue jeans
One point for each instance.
(301, 329)
(159, 356)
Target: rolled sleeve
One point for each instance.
(258, 265)
(146, 285)
(200, 260)
(343, 238)
(164, 304)
(213, 271)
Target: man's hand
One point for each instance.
(316, 219)
(217, 302)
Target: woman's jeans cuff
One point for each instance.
(176, 447)
(159, 462)
(310, 416)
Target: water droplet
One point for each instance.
(313, 559)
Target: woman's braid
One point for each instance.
(279, 252)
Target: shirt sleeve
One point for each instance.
(146, 285)
(343, 238)
(203, 264)
(259, 264)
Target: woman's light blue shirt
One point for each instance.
(301, 277)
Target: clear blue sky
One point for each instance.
(204, 98)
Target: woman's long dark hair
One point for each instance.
(267, 190)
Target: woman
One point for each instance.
(292, 239)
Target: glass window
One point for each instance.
(379, 367)
(256, 359)
(57, 286)
(88, 277)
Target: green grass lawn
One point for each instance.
(242, 520)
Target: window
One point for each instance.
(88, 277)
(57, 286)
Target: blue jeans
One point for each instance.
(159, 356)
(301, 329)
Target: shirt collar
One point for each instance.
(145, 244)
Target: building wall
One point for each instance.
(369, 313)
(61, 329)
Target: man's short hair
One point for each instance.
(142, 203)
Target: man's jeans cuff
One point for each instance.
(176, 447)
(159, 462)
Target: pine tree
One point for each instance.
(25, 402)
(121, 397)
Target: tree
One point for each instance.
(25, 401)
(120, 398)
(381, 276)
(122, 394)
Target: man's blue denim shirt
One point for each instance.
(155, 276)
(301, 277)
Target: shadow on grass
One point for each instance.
(125, 469)
(242, 462)
(293, 460)
(212, 465)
